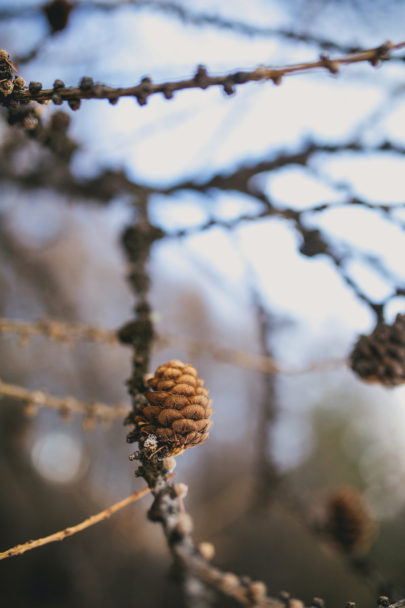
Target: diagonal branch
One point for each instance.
(190, 560)
(201, 80)
(86, 523)
(238, 180)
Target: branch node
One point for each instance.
(257, 591)
(86, 83)
(382, 52)
(74, 104)
(201, 77)
(331, 65)
(6, 87)
(19, 83)
(207, 550)
(184, 525)
(35, 87)
(58, 84)
(228, 86)
(57, 99)
(284, 597)
(167, 91)
(144, 90)
(229, 581)
(181, 489)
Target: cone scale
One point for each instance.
(380, 356)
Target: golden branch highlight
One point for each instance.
(62, 534)
(57, 330)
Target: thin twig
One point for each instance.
(110, 183)
(137, 240)
(86, 523)
(247, 360)
(201, 80)
(59, 331)
(267, 472)
(238, 180)
(70, 332)
(199, 19)
(187, 16)
(64, 405)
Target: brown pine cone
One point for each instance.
(178, 408)
(348, 521)
(380, 357)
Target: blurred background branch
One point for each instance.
(69, 333)
(66, 406)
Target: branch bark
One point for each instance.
(64, 405)
(62, 534)
(201, 80)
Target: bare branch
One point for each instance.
(238, 180)
(201, 80)
(254, 362)
(65, 406)
(86, 523)
(111, 183)
(266, 471)
(71, 332)
(59, 331)
(243, 28)
(137, 241)
(199, 19)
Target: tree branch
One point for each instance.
(60, 331)
(187, 16)
(190, 561)
(267, 473)
(67, 333)
(89, 521)
(65, 406)
(201, 80)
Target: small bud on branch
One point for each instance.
(87, 89)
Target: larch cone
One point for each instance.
(177, 410)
